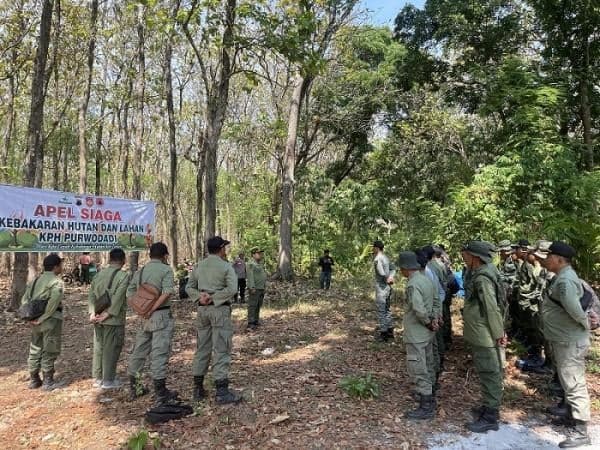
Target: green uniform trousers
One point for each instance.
(489, 365)
(153, 339)
(108, 343)
(438, 347)
(446, 329)
(420, 366)
(45, 345)
(254, 304)
(569, 358)
(215, 334)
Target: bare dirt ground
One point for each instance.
(292, 394)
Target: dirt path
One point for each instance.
(316, 339)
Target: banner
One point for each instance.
(38, 220)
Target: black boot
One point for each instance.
(381, 336)
(224, 395)
(35, 380)
(576, 435)
(488, 420)
(477, 411)
(136, 388)
(199, 392)
(559, 410)
(48, 383)
(389, 334)
(425, 410)
(162, 394)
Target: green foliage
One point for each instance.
(141, 440)
(361, 387)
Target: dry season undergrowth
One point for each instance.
(289, 371)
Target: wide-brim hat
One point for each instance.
(481, 249)
(408, 261)
(505, 246)
(542, 249)
(256, 250)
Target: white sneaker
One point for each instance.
(115, 384)
(97, 383)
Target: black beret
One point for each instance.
(523, 243)
(561, 249)
(378, 244)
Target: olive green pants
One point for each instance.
(569, 358)
(45, 345)
(108, 343)
(255, 302)
(215, 334)
(438, 348)
(420, 365)
(153, 339)
(489, 362)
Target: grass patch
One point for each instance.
(512, 394)
(516, 348)
(360, 387)
(142, 440)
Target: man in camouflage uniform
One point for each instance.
(566, 328)
(420, 325)
(109, 325)
(156, 329)
(213, 285)
(257, 283)
(46, 332)
(484, 331)
(384, 278)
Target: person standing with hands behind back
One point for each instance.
(384, 278)
(213, 284)
(109, 325)
(257, 282)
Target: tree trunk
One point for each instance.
(140, 91)
(199, 203)
(98, 152)
(285, 269)
(35, 151)
(172, 205)
(586, 110)
(83, 107)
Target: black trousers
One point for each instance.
(241, 297)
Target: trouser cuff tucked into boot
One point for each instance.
(34, 380)
(199, 392)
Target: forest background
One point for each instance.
(297, 126)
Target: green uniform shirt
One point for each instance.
(418, 313)
(156, 273)
(48, 286)
(440, 270)
(256, 275)
(117, 293)
(215, 276)
(566, 323)
(483, 323)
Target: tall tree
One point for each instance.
(34, 157)
(85, 100)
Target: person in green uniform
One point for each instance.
(109, 325)
(566, 327)
(419, 331)
(213, 286)
(256, 283)
(156, 329)
(46, 332)
(483, 330)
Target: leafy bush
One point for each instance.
(360, 387)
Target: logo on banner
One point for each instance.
(89, 201)
(100, 201)
(65, 201)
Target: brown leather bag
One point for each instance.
(144, 298)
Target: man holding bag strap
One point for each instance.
(156, 330)
(47, 330)
(109, 325)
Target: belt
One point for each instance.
(162, 307)
(212, 304)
